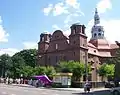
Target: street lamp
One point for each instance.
(86, 67)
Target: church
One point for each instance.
(56, 47)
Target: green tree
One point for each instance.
(50, 71)
(29, 56)
(17, 64)
(77, 68)
(40, 70)
(66, 67)
(5, 64)
(27, 71)
(106, 70)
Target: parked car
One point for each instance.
(109, 84)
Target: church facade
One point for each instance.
(56, 47)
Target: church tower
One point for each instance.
(44, 42)
(97, 30)
(78, 43)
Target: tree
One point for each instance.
(27, 71)
(29, 56)
(66, 67)
(106, 70)
(5, 64)
(17, 64)
(40, 70)
(50, 71)
(77, 68)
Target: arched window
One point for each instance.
(42, 38)
(95, 35)
(56, 46)
(99, 34)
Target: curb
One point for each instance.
(64, 89)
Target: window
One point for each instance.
(99, 29)
(94, 50)
(99, 34)
(56, 46)
(74, 53)
(74, 30)
(42, 38)
(83, 29)
(95, 35)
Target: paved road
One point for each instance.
(16, 90)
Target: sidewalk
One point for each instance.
(62, 89)
(79, 89)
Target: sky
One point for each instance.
(22, 21)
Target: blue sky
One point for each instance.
(22, 21)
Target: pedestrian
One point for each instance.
(87, 87)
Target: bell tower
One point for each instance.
(97, 30)
(78, 37)
(44, 42)
(78, 43)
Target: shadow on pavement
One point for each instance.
(103, 92)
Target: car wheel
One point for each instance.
(115, 92)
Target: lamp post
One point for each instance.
(86, 67)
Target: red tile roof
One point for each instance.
(114, 46)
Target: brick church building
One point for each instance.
(56, 47)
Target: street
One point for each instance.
(16, 90)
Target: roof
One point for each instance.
(100, 50)
(91, 45)
(114, 46)
(93, 51)
(100, 43)
(105, 54)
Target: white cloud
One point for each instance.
(65, 7)
(59, 9)
(30, 45)
(48, 9)
(68, 19)
(55, 27)
(67, 32)
(72, 3)
(3, 34)
(10, 51)
(104, 5)
(111, 28)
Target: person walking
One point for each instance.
(87, 87)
